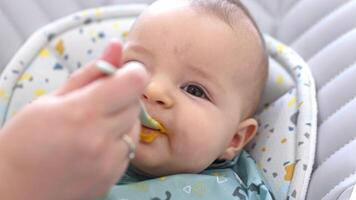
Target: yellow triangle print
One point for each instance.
(39, 92)
(3, 94)
(60, 47)
(280, 48)
(25, 77)
(279, 79)
(292, 102)
(44, 53)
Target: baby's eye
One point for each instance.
(195, 90)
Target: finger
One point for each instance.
(135, 131)
(118, 155)
(113, 53)
(124, 120)
(89, 73)
(126, 145)
(116, 92)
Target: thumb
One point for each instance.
(89, 73)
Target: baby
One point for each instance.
(208, 69)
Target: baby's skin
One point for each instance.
(199, 90)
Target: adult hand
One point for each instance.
(68, 145)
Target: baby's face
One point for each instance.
(196, 89)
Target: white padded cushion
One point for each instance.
(333, 179)
(303, 16)
(323, 31)
(332, 26)
(287, 125)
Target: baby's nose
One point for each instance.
(158, 94)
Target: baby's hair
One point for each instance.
(227, 11)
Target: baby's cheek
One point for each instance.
(199, 136)
(201, 150)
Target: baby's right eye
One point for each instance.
(195, 90)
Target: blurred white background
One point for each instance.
(20, 18)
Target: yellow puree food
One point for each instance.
(149, 135)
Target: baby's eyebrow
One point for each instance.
(199, 71)
(206, 75)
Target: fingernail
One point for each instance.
(138, 66)
(107, 50)
(113, 52)
(113, 40)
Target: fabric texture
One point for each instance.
(288, 125)
(237, 179)
(19, 19)
(323, 32)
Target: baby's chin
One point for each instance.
(152, 169)
(159, 170)
(165, 163)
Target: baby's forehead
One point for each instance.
(232, 13)
(240, 41)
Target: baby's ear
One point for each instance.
(246, 131)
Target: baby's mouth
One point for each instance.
(149, 134)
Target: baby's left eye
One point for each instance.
(195, 90)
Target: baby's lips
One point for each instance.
(161, 128)
(155, 125)
(149, 135)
